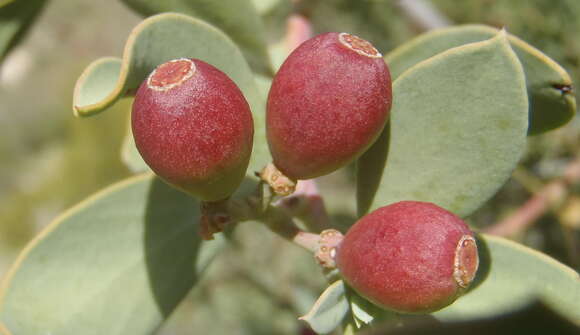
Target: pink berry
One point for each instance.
(410, 257)
(328, 103)
(193, 127)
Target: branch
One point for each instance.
(298, 30)
(307, 204)
(535, 207)
(423, 14)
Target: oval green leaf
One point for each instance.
(16, 17)
(552, 104)
(238, 19)
(456, 132)
(512, 276)
(329, 310)
(97, 82)
(118, 263)
(366, 313)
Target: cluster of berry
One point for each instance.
(327, 104)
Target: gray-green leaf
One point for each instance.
(329, 310)
(118, 263)
(457, 130)
(239, 19)
(551, 103)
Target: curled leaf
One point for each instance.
(329, 310)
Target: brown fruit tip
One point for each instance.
(171, 74)
(466, 261)
(358, 45)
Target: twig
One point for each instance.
(550, 194)
(307, 204)
(423, 14)
(298, 30)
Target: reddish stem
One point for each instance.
(536, 206)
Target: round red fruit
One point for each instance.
(410, 257)
(328, 103)
(193, 127)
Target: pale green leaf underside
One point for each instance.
(550, 107)
(16, 17)
(96, 83)
(118, 263)
(329, 310)
(238, 19)
(365, 313)
(511, 276)
(156, 40)
(457, 130)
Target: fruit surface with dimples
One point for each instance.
(193, 127)
(328, 103)
(410, 257)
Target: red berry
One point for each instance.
(328, 103)
(410, 257)
(193, 127)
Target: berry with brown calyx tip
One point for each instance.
(328, 103)
(410, 257)
(193, 127)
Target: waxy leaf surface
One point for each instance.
(329, 310)
(457, 130)
(238, 19)
(552, 103)
(118, 263)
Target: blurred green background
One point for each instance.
(50, 160)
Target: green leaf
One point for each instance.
(156, 40)
(366, 313)
(118, 263)
(16, 17)
(238, 19)
(97, 83)
(457, 130)
(329, 310)
(551, 103)
(511, 276)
